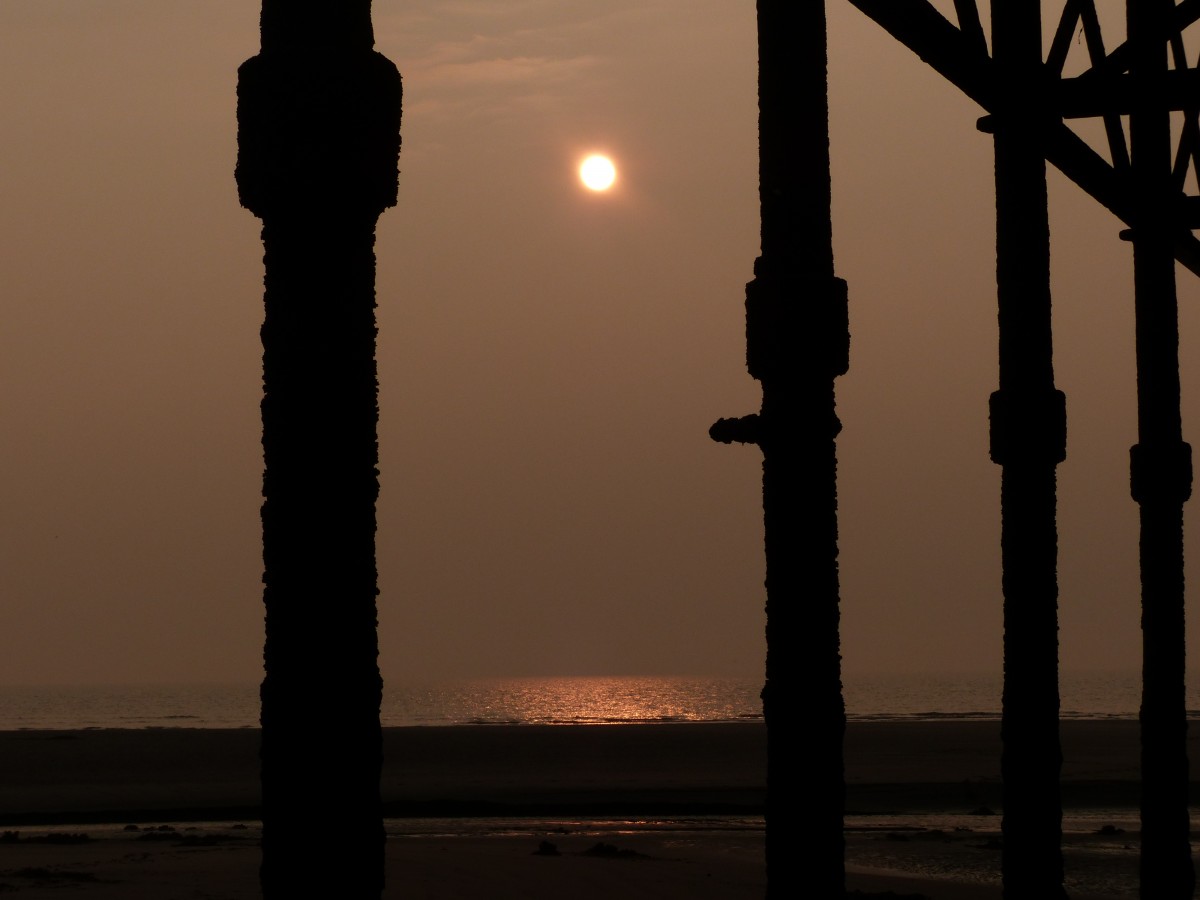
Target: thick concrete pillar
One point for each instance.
(318, 140)
(797, 342)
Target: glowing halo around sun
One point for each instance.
(597, 173)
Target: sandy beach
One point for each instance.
(676, 810)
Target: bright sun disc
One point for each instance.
(597, 173)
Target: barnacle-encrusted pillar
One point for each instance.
(1028, 438)
(318, 141)
(1160, 463)
(797, 341)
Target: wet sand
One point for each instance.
(587, 779)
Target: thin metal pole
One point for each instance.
(1028, 438)
(1160, 466)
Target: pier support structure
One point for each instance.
(797, 343)
(318, 140)
(1160, 462)
(1142, 182)
(1028, 439)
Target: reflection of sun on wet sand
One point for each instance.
(678, 804)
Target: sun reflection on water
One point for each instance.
(580, 701)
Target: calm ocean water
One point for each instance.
(560, 701)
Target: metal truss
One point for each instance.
(1103, 91)
(1137, 91)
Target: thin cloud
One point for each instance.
(496, 57)
(541, 71)
(499, 74)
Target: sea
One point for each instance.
(563, 701)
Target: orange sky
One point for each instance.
(550, 359)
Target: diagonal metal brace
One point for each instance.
(961, 61)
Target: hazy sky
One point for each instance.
(550, 360)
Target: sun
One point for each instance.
(597, 172)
